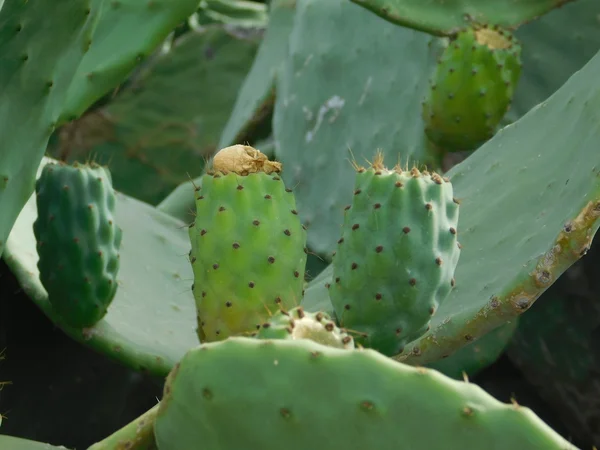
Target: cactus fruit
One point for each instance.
(472, 88)
(246, 393)
(299, 324)
(248, 245)
(78, 241)
(395, 262)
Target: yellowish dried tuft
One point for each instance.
(492, 38)
(243, 160)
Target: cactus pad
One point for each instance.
(14, 443)
(472, 88)
(445, 16)
(248, 245)
(395, 261)
(299, 324)
(78, 241)
(247, 393)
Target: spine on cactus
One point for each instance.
(300, 324)
(248, 245)
(78, 241)
(472, 88)
(394, 264)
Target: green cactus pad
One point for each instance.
(443, 17)
(14, 443)
(249, 245)
(127, 32)
(338, 102)
(78, 241)
(517, 237)
(39, 60)
(151, 136)
(256, 98)
(550, 58)
(472, 88)
(395, 261)
(476, 356)
(299, 324)
(247, 393)
(151, 321)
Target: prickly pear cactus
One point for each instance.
(395, 261)
(300, 324)
(78, 241)
(472, 88)
(248, 245)
(306, 393)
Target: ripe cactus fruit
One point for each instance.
(78, 240)
(299, 324)
(472, 88)
(395, 262)
(248, 245)
(245, 393)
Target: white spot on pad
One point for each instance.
(335, 104)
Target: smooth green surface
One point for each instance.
(442, 17)
(151, 321)
(13, 443)
(551, 57)
(127, 32)
(476, 356)
(344, 92)
(256, 96)
(517, 193)
(247, 393)
(41, 45)
(160, 129)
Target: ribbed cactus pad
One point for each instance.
(246, 393)
(338, 102)
(78, 241)
(151, 321)
(300, 324)
(248, 251)
(443, 17)
(41, 45)
(395, 260)
(519, 237)
(472, 87)
(127, 32)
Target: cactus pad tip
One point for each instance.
(494, 38)
(243, 160)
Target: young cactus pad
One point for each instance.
(248, 245)
(246, 393)
(299, 324)
(77, 241)
(395, 262)
(472, 88)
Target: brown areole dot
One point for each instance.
(406, 230)
(378, 296)
(288, 190)
(203, 232)
(356, 192)
(337, 279)
(379, 248)
(340, 240)
(428, 206)
(236, 245)
(221, 208)
(452, 230)
(452, 282)
(412, 281)
(287, 232)
(347, 307)
(438, 261)
(228, 304)
(267, 197)
(377, 205)
(329, 326)
(355, 226)
(294, 212)
(251, 284)
(215, 266)
(354, 266)
(347, 207)
(271, 259)
(255, 222)
(240, 187)
(296, 273)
